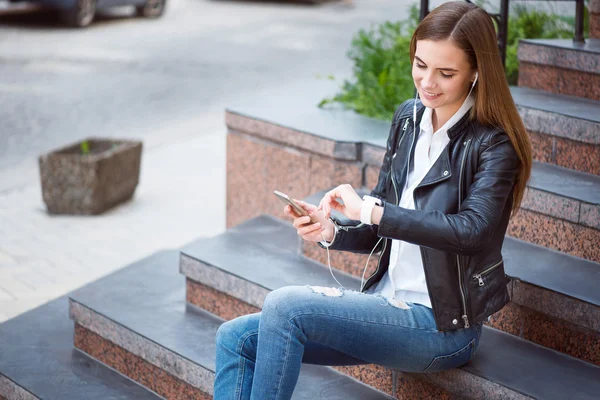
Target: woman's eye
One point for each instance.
(447, 76)
(420, 66)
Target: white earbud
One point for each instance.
(475, 80)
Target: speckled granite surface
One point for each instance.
(409, 387)
(379, 377)
(255, 168)
(142, 310)
(489, 375)
(563, 194)
(556, 234)
(569, 276)
(562, 53)
(566, 153)
(557, 115)
(353, 264)
(594, 9)
(11, 391)
(215, 301)
(38, 360)
(135, 367)
(595, 26)
(560, 80)
(549, 332)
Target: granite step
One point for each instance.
(561, 211)
(561, 66)
(564, 130)
(594, 9)
(38, 361)
(315, 148)
(232, 273)
(137, 321)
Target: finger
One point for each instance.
(299, 222)
(316, 235)
(337, 206)
(309, 229)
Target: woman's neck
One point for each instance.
(441, 115)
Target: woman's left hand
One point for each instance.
(352, 202)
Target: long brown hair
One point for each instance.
(471, 29)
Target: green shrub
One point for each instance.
(532, 24)
(382, 76)
(382, 69)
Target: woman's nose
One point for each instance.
(428, 81)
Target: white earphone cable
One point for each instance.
(364, 271)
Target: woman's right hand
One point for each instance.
(309, 231)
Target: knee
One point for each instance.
(231, 332)
(227, 334)
(285, 302)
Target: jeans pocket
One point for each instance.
(452, 360)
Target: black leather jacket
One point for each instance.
(462, 208)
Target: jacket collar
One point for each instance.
(453, 132)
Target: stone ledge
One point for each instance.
(562, 53)
(135, 367)
(11, 391)
(267, 272)
(149, 318)
(558, 115)
(179, 367)
(548, 331)
(38, 360)
(555, 234)
(559, 80)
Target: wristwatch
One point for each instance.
(366, 210)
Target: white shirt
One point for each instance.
(405, 277)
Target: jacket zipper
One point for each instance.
(407, 167)
(396, 195)
(479, 276)
(460, 279)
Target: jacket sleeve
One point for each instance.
(467, 231)
(354, 236)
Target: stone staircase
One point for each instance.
(148, 330)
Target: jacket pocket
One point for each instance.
(454, 360)
(487, 290)
(486, 271)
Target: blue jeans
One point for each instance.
(259, 355)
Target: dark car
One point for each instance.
(80, 13)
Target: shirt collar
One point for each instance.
(427, 123)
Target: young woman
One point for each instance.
(455, 168)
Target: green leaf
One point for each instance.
(382, 72)
(85, 147)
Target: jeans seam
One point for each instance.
(241, 365)
(285, 359)
(359, 320)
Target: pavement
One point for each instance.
(181, 196)
(166, 82)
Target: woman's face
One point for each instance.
(442, 74)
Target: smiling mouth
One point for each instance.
(431, 94)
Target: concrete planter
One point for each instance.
(75, 183)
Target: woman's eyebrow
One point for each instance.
(441, 69)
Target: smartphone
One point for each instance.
(295, 207)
